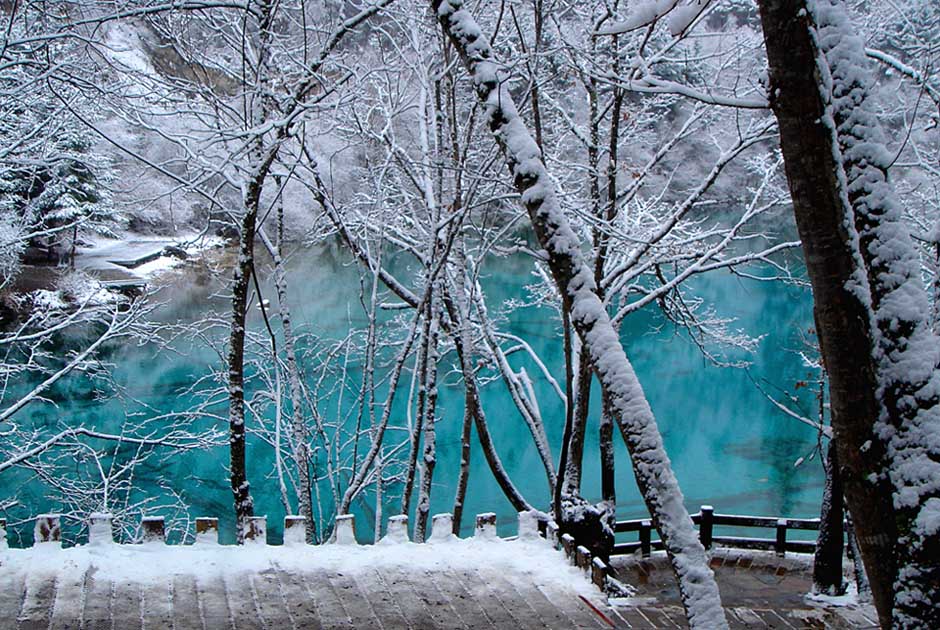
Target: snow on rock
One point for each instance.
(345, 530)
(529, 525)
(99, 529)
(442, 528)
(123, 44)
(73, 290)
(44, 300)
(397, 533)
(145, 256)
(80, 288)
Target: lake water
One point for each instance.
(730, 447)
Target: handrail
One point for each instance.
(706, 519)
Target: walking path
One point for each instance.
(454, 584)
(758, 590)
(447, 583)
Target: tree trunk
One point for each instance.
(462, 332)
(415, 438)
(475, 408)
(244, 505)
(472, 397)
(298, 423)
(582, 404)
(861, 578)
(907, 352)
(429, 456)
(520, 398)
(463, 474)
(697, 587)
(842, 317)
(827, 560)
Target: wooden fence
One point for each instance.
(707, 520)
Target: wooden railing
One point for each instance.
(578, 555)
(47, 528)
(707, 520)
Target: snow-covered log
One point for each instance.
(697, 586)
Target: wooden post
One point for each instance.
(295, 531)
(345, 529)
(152, 529)
(442, 527)
(780, 547)
(551, 533)
(485, 526)
(207, 531)
(256, 530)
(706, 526)
(3, 533)
(47, 529)
(599, 573)
(568, 545)
(645, 540)
(528, 525)
(582, 557)
(397, 529)
(99, 529)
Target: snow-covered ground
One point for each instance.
(150, 562)
(480, 584)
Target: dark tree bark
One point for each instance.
(827, 560)
(241, 490)
(842, 319)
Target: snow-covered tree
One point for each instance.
(55, 185)
(697, 587)
(871, 310)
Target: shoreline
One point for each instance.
(107, 270)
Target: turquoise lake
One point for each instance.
(730, 447)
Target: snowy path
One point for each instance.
(449, 584)
(454, 584)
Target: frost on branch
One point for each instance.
(680, 16)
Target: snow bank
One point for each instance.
(154, 562)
